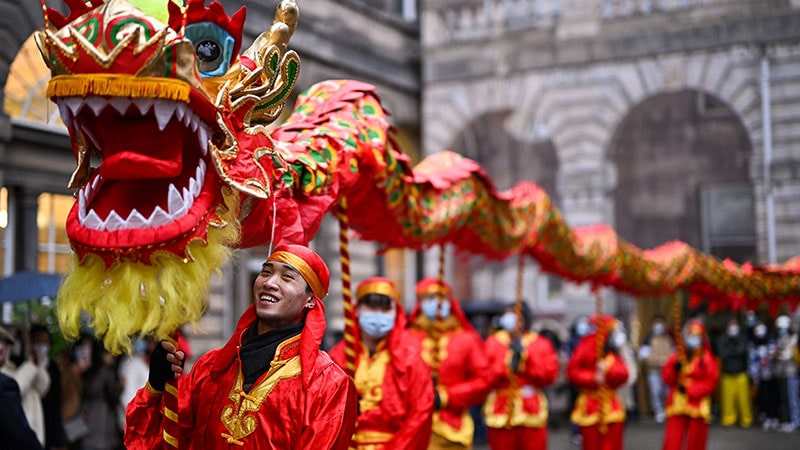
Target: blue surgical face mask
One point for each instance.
(582, 329)
(376, 324)
(658, 329)
(139, 346)
(429, 308)
(508, 321)
(693, 342)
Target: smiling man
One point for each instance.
(270, 386)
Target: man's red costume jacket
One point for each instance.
(304, 401)
(395, 390)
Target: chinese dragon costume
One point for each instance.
(180, 157)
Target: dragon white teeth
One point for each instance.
(74, 104)
(96, 104)
(82, 205)
(163, 110)
(121, 104)
(174, 200)
(159, 217)
(202, 137)
(135, 220)
(180, 111)
(143, 104)
(194, 188)
(64, 112)
(93, 221)
(114, 222)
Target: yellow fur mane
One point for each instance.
(155, 299)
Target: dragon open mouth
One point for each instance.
(151, 180)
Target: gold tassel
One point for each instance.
(118, 86)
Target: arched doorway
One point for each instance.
(507, 160)
(682, 161)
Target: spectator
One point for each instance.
(51, 403)
(626, 391)
(734, 381)
(654, 352)
(100, 401)
(133, 372)
(14, 428)
(762, 372)
(33, 380)
(72, 366)
(786, 372)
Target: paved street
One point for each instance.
(647, 436)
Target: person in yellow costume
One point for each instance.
(394, 385)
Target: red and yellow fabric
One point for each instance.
(598, 410)
(699, 378)
(462, 370)
(521, 396)
(394, 385)
(689, 412)
(304, 401)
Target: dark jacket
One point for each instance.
(732, 354)
(14, 428)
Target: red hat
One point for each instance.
(378, 285)
(310, 265)
(607, 322)
(430, 285)
(696, 327)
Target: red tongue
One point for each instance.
(137, 150)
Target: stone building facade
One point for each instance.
(646, 115)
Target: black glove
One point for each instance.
(516, 357)
(678, 366)
(682, 389)
(160, 368)
(437, 402)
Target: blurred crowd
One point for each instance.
(757, 359)
(71, 399)
(76, 399)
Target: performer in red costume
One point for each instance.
(521, 365)
(269, 387)
(455, 354)
(394, 384)
(691, 383)
(598, 410)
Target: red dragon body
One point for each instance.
(177, 163)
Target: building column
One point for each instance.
(26, 230)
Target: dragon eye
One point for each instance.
(209, 55)
(213, 47)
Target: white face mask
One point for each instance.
(733, 330)
(618, 339)
(693, 342)
(760, 331)
(41, 350)
(429, 308)
(508, 321)
(376, 324)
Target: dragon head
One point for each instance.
(168, 127)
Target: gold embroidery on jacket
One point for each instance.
(369, 378)
(241, 418)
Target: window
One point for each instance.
(728, 221)
(54, 249)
